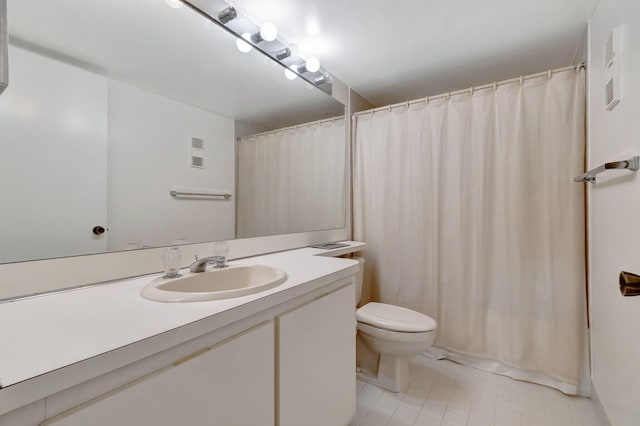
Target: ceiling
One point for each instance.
(386, 51)
(394, 51)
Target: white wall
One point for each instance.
(53, 146)
(149, 153)
(614, 219)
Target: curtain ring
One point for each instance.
(471, 91)
(521, 80)
(448, 96)
(426, 100)
(549, 75)
(495, 85)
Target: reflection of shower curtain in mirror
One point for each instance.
(471, 216)
(292, 180)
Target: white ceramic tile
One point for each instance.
(359, 386)
(376, 418)
(426, 418)
(367, 398)
(453, 419)
(442, 393)
(406, 413)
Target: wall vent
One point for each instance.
(612, 69)
(196, 149)
(197, 162)
(609, 93)
(197, 143)
(609, 52)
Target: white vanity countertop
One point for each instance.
(42, 334)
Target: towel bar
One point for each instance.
(632, 164)
(188, 194)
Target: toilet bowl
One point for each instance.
(388, 337)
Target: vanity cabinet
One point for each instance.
(232, 383)
(316, 359)
(290, 364)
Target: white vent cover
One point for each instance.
(197, 143)
(612, 69)
(197, 162)
(197, 153)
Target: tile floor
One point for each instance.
(443, 393)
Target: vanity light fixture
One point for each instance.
(283, 53)
(325, 78)
(291, 75)
(268, 32)
(311, 65)
(176, 4)
(243, 45)
(265, 39)
(226, 15)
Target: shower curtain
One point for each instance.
(471, 216)
(292, 180)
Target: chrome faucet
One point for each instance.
(200, 265)
(219, 258)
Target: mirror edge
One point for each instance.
(4, 47)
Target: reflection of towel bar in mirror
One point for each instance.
(632, 164)
(189, 194)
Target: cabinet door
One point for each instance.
(229, 384)
(316, 362)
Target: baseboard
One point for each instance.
(597, 404)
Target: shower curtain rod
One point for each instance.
(297, 126)
(470, 90)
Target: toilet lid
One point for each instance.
(394, 318)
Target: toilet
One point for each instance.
(388, 337)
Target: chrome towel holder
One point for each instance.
(632, 164)
(198, 194)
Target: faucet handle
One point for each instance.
(219, 261)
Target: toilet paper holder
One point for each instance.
(629, 284)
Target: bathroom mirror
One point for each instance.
(124, 119)
(4, 46)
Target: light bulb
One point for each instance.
(176, 4)
(268, 31)
(242, 45)
(313, 64)
(290, 74)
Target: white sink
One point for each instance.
(215, 284)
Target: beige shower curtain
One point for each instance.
(471, 216)
(292, 180)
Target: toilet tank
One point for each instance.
(359, 278)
